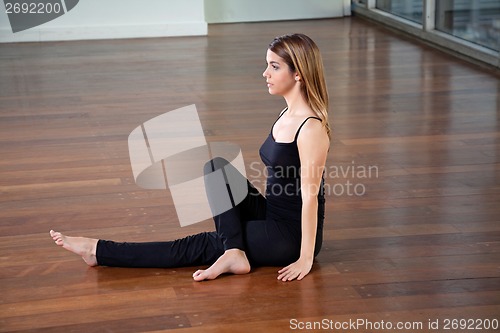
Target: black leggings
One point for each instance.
(266, 242)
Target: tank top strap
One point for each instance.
(300, 127)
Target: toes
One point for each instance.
(200, 275)
(57, 237)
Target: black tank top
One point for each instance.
(283, 194)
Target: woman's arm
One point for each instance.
(313, 146)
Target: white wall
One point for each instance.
(105, 19)
(226, 11)
(108, 19)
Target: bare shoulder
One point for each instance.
(313, 132)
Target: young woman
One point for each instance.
(285, 227)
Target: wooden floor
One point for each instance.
(412, 236)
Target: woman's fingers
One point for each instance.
(288, 273)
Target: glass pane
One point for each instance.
(477, 21)
(408, 9)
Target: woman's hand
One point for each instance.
(296, 270)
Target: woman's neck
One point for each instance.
(296, 104)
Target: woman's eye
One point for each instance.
(273, 66)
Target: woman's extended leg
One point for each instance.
(199, 249)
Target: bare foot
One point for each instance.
(84, 247)
(232, 261)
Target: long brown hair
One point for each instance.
(302, 55)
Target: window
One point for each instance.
(469, 28)
(477, 21)
(408, 9)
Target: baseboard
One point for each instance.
(45, 34)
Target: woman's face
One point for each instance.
(280, 80)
